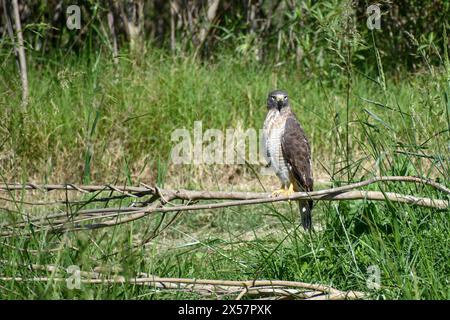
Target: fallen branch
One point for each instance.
(124, 215)
(276, 288)
(115, 216)
(151, 190)
(128, 216)
(201, 195)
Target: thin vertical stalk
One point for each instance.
(349, 84)
(20, 52)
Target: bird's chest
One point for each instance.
(273, 147)
(274, 131)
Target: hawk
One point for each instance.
(287, 151)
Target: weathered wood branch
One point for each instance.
(192, 195)
(95, 218)
(21, 53)
(19, 49)
(211, 12)
(207, 287)
(112, 31)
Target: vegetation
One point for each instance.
(371, 102)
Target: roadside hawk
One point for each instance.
(287, 151)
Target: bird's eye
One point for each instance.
(285, 98)
(272, 98)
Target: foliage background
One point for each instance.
(372, 103)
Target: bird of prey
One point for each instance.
(287, 151)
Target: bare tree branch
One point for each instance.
(174, 8)
(96, 218)
(285, 289)
(112, 31)
(202, 195)
(19, 49)
(10, 30)
(211, 12)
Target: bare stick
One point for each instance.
(123, 215)
(21, 52)
(115, 216)
(211, 13)
(199, 195)
(351, 195)
(9, 27)
(174, 8)
(210, 287)
(112, 31)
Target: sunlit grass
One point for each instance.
(89, 121)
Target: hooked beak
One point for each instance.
(279, 103)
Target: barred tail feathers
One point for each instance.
(305, 208)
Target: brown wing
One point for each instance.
(297, 153)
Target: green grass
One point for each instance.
(89, 121)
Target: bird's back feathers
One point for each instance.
(297, 153)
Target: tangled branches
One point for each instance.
(143, 201)
(161, 200)
(268, 289)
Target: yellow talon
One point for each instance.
(278, 192)
(290, 190)
(283, 191)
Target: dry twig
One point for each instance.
(106, 217)
(207, 287)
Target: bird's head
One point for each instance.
(277, 99)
